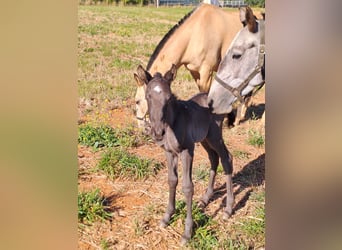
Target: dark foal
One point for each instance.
(176, 126)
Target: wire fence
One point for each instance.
(221, 3)
(178, 2)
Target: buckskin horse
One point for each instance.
(176, 126)
(198, 41)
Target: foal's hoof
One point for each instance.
(226, 215)
(184, 240)
(201, 205)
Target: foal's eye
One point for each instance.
(137, 102)
(236, 56)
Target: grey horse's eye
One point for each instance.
(236, 56)
(137, 102)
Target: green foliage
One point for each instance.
(255, 3)
(119, 163)
(91, 207)
(106, 136)
(255, 138)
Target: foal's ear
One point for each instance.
(171, 74)
(142, 76)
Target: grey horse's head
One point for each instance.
(238, 65)
(158, 94)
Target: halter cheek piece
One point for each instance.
(143, 118)
(258, 68)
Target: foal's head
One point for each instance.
(158, 96)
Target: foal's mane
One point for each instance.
(166, 38)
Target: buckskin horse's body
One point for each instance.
(176, 126)
(199, 42)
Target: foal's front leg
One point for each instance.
(188, 190)
(172, 161)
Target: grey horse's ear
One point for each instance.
(251, 20)
(142, 76)
(243, 16)
(171, 74)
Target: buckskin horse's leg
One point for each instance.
(205, 77)
(188, 190)
(214, 161)
(242, 109)
(172, 162)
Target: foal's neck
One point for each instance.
(172, 111)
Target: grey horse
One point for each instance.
(176, 126)
(242, 70)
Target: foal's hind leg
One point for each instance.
(227, 163)
(172, 161)
(188, 190)
(226, 159)
(214, 161)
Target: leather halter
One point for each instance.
(141, 118)
(237, 91)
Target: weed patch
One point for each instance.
(119, 163)
(241, 154)
(91, 207)
(106, 136)
(255, 138)
(201, 172)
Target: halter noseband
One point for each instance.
(141, 118)
(237, 91)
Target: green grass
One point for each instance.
(106, 136)
(113, 41)
(241, 154)
(255, 226)
(117, 163)
(251, 228)
(255, 138)
(204, 236)
(201, 172)
(91, 207)
(105, 244)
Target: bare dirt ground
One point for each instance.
(138, 206)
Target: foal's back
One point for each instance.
(193, 119)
